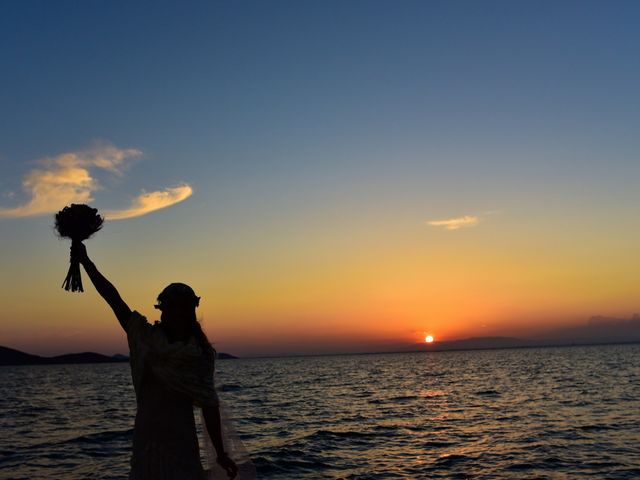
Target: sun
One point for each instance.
(428, 339)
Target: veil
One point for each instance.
(232, 445)
(184, 368)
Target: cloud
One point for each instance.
(148, 202)
(104, 156)
(456, 223)
(67, 178)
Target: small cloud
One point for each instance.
(456, 223)
(68, 178)
(148, 202)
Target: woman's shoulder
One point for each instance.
(138, 326)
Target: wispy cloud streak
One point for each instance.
(148, 202)
(67, 178)
(456, 223)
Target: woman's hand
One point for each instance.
(79, 252)
(229, 465)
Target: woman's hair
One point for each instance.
(201, 337)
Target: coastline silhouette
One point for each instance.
(172, 366)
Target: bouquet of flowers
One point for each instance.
(77, 222)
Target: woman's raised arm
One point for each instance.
(104, 287)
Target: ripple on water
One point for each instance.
(557, 413)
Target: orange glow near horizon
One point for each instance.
(320, 293)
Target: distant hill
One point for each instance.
(226, 356)
(598, 329)
(595, 333)
(10, 356)
(478, 343)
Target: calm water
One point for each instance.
(533, 413)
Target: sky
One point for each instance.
(328, 176)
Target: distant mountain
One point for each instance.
(478, 343)
(598, 329)
(10, 356)
(226, 356)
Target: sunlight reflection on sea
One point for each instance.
(524, 413)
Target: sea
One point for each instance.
(534, 413)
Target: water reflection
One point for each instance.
(536, 413)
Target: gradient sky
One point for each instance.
(336, 176)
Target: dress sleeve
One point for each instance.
(137, 329)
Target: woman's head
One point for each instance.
(178, 303)
(177, 298)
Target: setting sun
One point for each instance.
(428, 339)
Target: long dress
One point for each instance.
(169, 378)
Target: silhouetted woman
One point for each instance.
(172, 366)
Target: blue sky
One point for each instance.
(222, 89)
